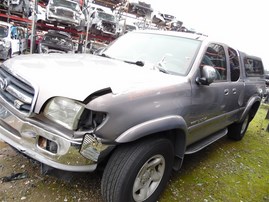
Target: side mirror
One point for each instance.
(209, 74)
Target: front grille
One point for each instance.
(16, 92)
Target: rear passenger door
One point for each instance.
(235, 87)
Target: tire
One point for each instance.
(9, 54)
(151, 160)
(237, 131)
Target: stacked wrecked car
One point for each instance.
(56, 42)
(78, 24)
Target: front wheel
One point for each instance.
(237, 131)
(138, 171)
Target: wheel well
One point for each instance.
(253, 110)
(176, 136)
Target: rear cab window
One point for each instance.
(253, 66)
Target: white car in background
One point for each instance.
(66, 12)
(127, 24)
(103, 23)
(12, 40)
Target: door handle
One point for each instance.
(234, 91)
(226, 91)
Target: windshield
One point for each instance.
(174, 54)
(3, 31)
(67, 4)
(106, 16)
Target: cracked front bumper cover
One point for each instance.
(30, 139)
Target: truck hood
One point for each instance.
(79, 75)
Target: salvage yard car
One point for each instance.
(56, 42)
(65, 11)
(12, 40)
(103, 23)
(135, 110)
(17, 7)
(139, 8)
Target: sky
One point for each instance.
(242, 24)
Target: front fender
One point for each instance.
(153, 126)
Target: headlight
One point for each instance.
(64, 111)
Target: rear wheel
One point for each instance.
(238, 130)
(138, 171)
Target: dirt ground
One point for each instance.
(21, 180)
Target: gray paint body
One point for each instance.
(142, 102)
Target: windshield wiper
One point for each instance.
(105, 55)
(138, 63)
(161, 69)
(160, 66)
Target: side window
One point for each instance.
(21, 33)
(215, 57)
(14, 32)
(253, 67)
(234, 64)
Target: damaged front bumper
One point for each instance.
(68, 18)
(106, 28)
(44, 146)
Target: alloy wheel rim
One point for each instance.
(148, 178)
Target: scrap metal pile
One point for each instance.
(86, 21)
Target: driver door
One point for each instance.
(209, 102)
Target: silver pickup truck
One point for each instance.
(136, 109)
